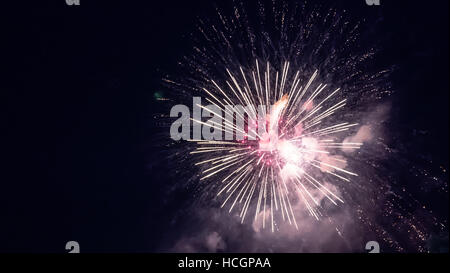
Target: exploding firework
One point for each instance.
(310, 151)
(291, 147)
(295, 144)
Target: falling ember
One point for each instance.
(294, 159)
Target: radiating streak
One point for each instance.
(213, 173)
(334, 167)
(209, 160)
(248, 86)
(284, 196)
(294, 101)
(217, 166)
(247, 202)
(306, 190)
(312, 124)
(235, 150)
(215, 148)
(237, 197)
(219, 142)
(237, 178)
(220, 89)
(225, 158)
(310, 209)
(237, 170)
(260, 171)
(231, 194)
(329, 111)
(276, 86)
(325, 188)
(338, 176)
(259, 78)
(319, 186)
(259, 160)
(324, 100)
(204, 151)
(342, 147)
(325, 114)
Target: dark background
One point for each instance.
(78, 90)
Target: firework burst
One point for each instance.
(322, 150)
(294, 154)
(295, 143)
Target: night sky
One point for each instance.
(79, 161)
